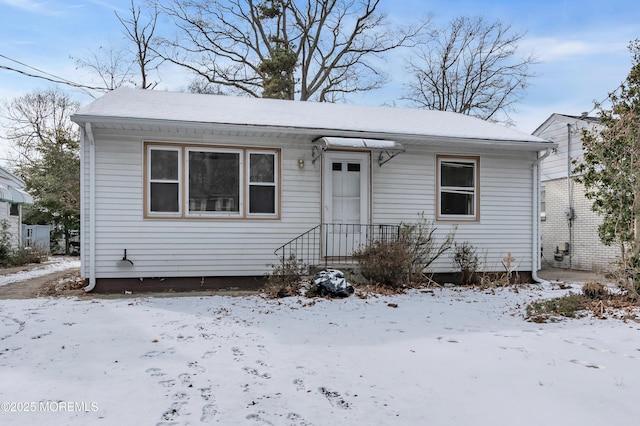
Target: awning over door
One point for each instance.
(387, 149)
(14, 195)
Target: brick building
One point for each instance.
(569, 228)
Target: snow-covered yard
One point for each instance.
(447, 357)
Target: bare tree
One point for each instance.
(116, 66)
(470, 67)
(239, 45)
(142, 34)
(111, 65)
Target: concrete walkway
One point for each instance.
(571, 275)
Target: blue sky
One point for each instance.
(582, 45)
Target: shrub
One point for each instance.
(286, 279)
(594, 290)
(404, 260)
(385, 262)
(466, 258)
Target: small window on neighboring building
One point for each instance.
(14, 209)
(458, 188)
(543, 203)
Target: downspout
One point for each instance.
(535, 237)
(92, 208)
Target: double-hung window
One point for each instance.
(210, 182)
(458, 188)
(164, 190)
(262, 183)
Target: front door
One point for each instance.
(345, 202)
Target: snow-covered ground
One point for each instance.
(53, 264)
(447, 357)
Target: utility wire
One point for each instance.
(52, 78)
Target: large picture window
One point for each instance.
(216, 182)
(458, 188)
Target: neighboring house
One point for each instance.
(12, 198)
(184, 190)
(569, 227)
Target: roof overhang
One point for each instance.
(387, 149)
(14, 195)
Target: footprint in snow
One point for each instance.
(185, 379)
(208, 412)
(195, 367)
(208, 354)
(255, 372)
(586, 364)
(237, 353)
(156, 354)
(259, 420)
(335, 398)
(155, 372)
(297, 420)
(174, 411)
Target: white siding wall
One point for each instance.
(13, 223)
(190, 247)
(401, 189)
(406, 186)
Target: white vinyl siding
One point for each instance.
(195, 246)
(406, 186)
(198, 247)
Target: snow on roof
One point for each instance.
(127, 104)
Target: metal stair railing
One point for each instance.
(334, 243)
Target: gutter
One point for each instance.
(532, 144)
(92, 207)
(535, 237)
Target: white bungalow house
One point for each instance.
(12, 198)
(184, 190)
(569, 226)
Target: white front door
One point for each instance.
(345, 201)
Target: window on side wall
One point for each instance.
(14, 209)
(164, 173)
(216, 182)
(543, 203)
(458, 191)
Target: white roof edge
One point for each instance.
(185, 109)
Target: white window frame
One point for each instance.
(239, 152)
(474, 191)
(275, 184)
(177, 181)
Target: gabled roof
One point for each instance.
(564, 118)
(125, 105)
